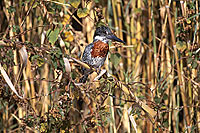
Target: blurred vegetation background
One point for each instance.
(152, 82)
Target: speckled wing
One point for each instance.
(86, 58)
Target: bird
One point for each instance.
(96, 52)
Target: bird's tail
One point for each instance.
(84, 78)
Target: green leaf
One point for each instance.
(165, 96)
(157, 99)
(160, 90)
(57, 55)
(39, 60)
(81, 13)
(115, 59)
(96, 1)
(53, 36)
(194, 65)
(100, 23)
(181, 46)
(178, 30)
(61, 62)
(15, 28)
(75, 3)
(137, 10)
(39, 18)
(156, 129)
(61, 1)
(34, 57)
(35, 5)
(55, 64)
(11, 9)
(166, 124)
(189, 60)
(48, 32)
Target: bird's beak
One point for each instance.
(114, 38)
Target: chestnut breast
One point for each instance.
(100, 49)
